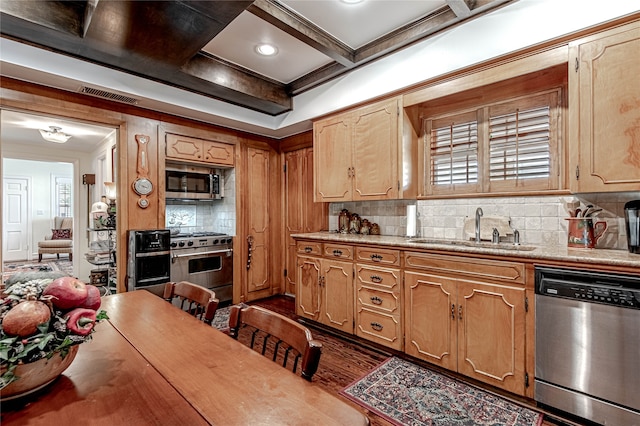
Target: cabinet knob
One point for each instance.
(376, 326)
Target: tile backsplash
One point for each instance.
(539, 219)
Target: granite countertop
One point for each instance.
(556, 253)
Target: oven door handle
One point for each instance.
(200, 253)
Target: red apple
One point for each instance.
(66, 292)
(93, 300)
(24, 318)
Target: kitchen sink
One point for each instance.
(468, 243)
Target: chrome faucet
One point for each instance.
(478, 216)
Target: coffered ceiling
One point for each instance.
(209, 47)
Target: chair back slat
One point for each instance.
(197, 300)
(280, 338)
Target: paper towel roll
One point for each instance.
(411, 221)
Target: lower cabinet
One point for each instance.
(325, 289)
(378, 297)
(474, 328)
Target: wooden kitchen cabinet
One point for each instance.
(302, 214)
(378, 314)
(325, 288)
(187, 148)
(259, 228)
(604, 116)
(475, 327)
(356, 154)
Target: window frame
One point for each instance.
(554, 98)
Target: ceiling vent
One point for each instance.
(108, 95)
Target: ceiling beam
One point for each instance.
(298, 27)
(459, 7)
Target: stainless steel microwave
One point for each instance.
(189, 182)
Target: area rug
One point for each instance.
(221, 320)
(11, 268)
(408, 394)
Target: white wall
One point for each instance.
(32, 162)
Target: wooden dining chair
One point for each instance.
(277, 336)
(197, 300)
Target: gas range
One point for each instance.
(189, 240)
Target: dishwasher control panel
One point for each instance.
(610, 289)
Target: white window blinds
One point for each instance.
(454, 153)
(519, 144)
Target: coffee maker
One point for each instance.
(632, 221)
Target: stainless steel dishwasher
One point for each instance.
(588, 344)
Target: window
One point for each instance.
(516, 141)
(62, 197)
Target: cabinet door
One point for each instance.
(337, 295)
(218, 153)
(258, 221)
(184, 148)
(604, 120)
(332, 160)
(375, 151)
(308, 287)
(430, 323)
(491, 334)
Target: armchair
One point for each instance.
(60, 240)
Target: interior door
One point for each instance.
(15, 232)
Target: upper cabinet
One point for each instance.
(604, 111)
(359, 154)
(187, 148)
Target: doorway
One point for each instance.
(43, 180)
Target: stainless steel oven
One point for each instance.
(588, 344)
(205, 259)
(148, 260)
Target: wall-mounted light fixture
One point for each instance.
(54, 134)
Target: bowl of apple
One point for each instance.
(42, 323)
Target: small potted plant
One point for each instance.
(42, 322)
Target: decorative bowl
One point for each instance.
(36, 375)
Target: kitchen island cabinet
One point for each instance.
(604, 114)
(356, 154)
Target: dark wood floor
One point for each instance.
(346, 360)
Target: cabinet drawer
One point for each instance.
(380, 328)
(383, 277)
(338, 251)
(306, 247)
(385, 301)
(486, 269)
(379, 256)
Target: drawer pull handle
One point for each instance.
(376, 326)
(376, 300)
(337, 252)
(308, 249)
(460, 312)
(376, 279)
(453, 311)
(376, 257)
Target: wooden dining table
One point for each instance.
(152, 363)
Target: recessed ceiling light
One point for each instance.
(351, 1)
(266, 49)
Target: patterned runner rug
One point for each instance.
(408, 394)
(12, 268)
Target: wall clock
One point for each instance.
(142, 185)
